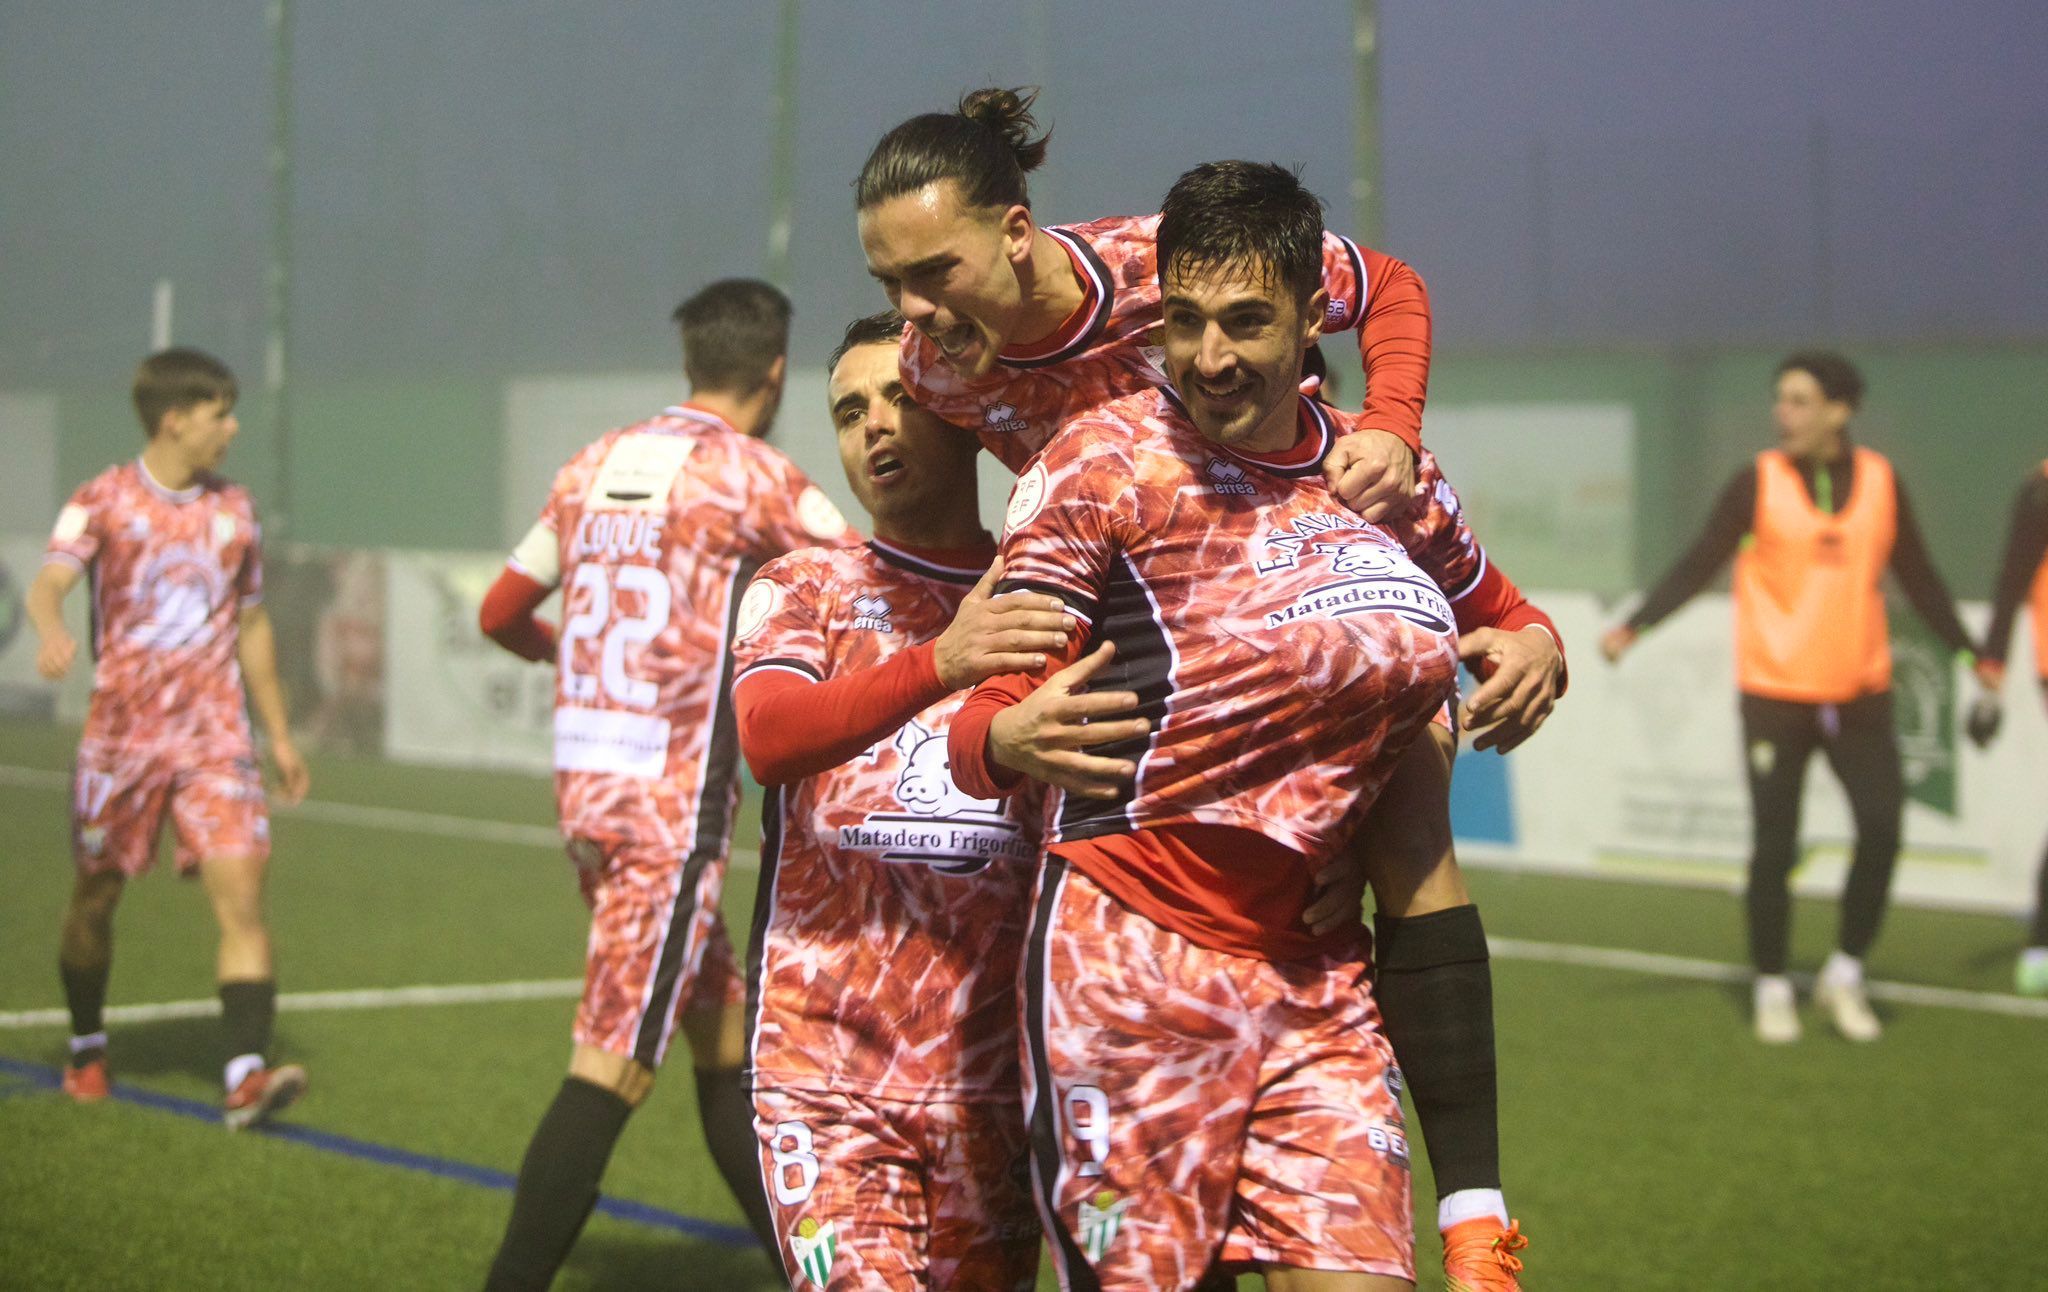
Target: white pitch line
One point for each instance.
(403, 820)
(482, 993)
(1645, 963)
(475, 828)
(1662, 966)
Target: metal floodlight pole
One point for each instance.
(277, 279)
(1368, 210)
(782, 163)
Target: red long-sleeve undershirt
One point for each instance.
(1393, 346)
(1495, 602)
(791, 727)
(507, 616)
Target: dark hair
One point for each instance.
(1314, 363)
(178, 378)
(872, 329)
(733, 332)
(1838, 378)
(1243, 214)
(985, 146)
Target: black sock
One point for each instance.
(85, 992)
(728, 1115)
(1435, 991)
(557, 1185)
(247, 1009)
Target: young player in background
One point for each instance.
(1818, 520)
(1206, 1072)
(653, 531)
(2022, 577)
(176, 564)
(1017, 328)
(889, 924)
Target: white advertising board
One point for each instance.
(451, 695)
(1639, 773)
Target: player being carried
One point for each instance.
(176, 561)
(653, 531)
(1206, 1074)
(1016, 328)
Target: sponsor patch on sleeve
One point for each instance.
(71, 523)
(1027, 496)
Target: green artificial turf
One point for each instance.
(1649, 1143)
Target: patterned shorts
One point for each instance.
(881, 1193)
(1190, 1106)
(658, 947)
(120, 798)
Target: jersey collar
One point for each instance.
(946, 565)
(164, 491)
(703, 416)
(1314, 436)
(1081, 327)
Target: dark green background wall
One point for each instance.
(415, 464)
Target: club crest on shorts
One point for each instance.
(813, 1245)
(1101, 1217)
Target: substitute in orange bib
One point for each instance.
(1817, 521)
(2022, 579)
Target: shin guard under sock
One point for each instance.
(1435, 989)
(557, 1187)
(728, 1115)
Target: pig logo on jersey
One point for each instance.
(1228, 477)
(940, 826)
(1375, 580)
(1002, 419)
(871, 614)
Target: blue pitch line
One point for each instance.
(384, 1155)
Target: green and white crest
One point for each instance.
(1101, 1217)
(814, 1245)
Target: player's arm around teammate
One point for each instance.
(883, 1044)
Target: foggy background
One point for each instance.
(495, 205)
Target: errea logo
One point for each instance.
(872, 614)
(1002, 419)
(1228, 477)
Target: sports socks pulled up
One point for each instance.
(247, 1012)
(85, 995)
(1435, 989)
(727, 1112)
(557, 1186)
